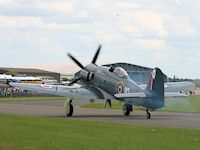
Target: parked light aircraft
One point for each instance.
(108, 83)
(26, 79)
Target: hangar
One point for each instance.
(31, 72)
(137, 73)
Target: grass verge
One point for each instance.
(31, 133)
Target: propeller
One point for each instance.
(74, 81)
(81, 66)
(96, 55)
(75, 60)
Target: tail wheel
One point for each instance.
(127, 108)
(68, 108)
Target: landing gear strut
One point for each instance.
(68, 107)
(108, 101)
(127, 108)
(148, 114)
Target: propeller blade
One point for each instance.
(74, 81)
(75, 60)
(96, 55)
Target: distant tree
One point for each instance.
(175, 79)
(11, 73)
(65, 79)
(197, 82)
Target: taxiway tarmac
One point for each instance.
(56, 109)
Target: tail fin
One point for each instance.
(156, 84)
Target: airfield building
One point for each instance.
(137, 73)
(30, 72)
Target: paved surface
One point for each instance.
(56, 109)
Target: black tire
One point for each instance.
(148, 115)
(127, 108)
(70, 112)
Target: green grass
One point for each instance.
(11, 99)
(32, 133)
(188, 104)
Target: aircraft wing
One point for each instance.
(130, 95)
(143, 95)
(84, 92)
(3, 85)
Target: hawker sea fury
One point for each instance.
(108, 84)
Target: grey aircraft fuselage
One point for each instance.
(112, 82)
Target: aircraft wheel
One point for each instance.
(127, 108)
(68, 108)
(148, 114)
(70, 112)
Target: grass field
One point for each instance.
(189, 104)
(31, 133)
(11, 99)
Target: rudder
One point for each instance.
(155, 85)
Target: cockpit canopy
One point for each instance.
(120, 72)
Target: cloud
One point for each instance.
(149, 21)
(150, 43)
(127, 5)
(159, 30)
(37, 23)
(19, 22)
(59, 7)
(165, 55)
(179, 26)
(3, 2)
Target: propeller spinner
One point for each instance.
(81, 66)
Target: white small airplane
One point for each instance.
(27, 79)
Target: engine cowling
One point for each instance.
(87, 76)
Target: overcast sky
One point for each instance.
(151, 33)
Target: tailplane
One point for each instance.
(155, 86)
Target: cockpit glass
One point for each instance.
(120, 72)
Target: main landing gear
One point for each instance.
(127, 108)
(68, 107)
(148, 114)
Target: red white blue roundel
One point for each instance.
(45, 86)
(120, 87)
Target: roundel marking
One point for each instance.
(120, 87)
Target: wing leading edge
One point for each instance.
(83, 92)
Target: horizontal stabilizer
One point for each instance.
(169, 95)
(130, 95)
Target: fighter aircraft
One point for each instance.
(108, 83)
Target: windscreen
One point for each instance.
(120, 72)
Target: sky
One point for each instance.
(151, 33)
